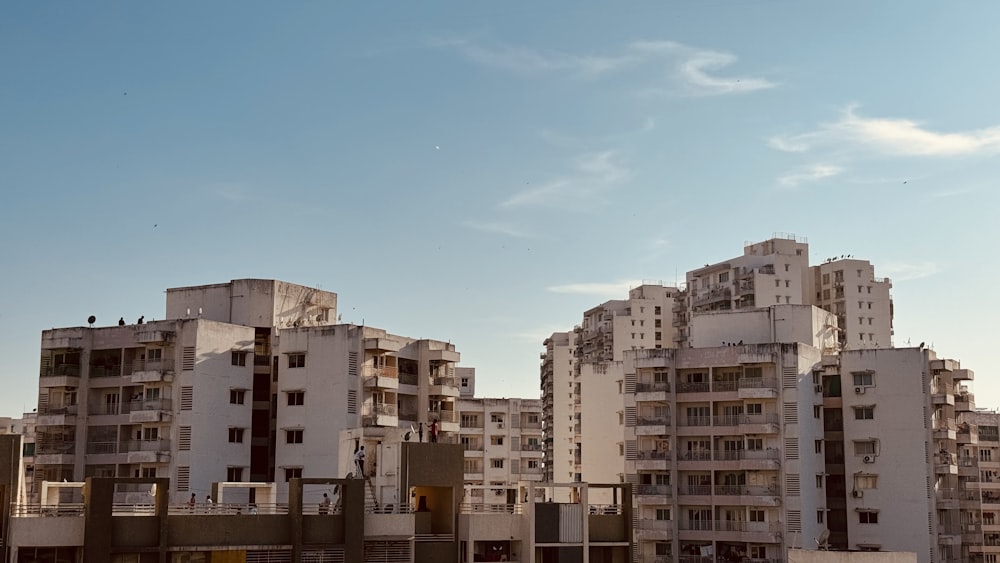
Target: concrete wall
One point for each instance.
(804, 556)
(901, 402)
(601, 433)
(781, 323)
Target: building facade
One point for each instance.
(246, 381)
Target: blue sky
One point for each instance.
(484, 172)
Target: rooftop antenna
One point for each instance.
(91, 320)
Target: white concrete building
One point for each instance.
(503, 444)
(247, 381)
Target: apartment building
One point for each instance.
(503, 444)
(245, 381)
(777, 271)
(324, 519)
(560, 405)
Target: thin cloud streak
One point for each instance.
(891, 136)
(691, 70)
(608, 289)
(594, 174)
(903, 271)
(496, 228)
(813, 173)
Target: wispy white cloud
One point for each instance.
(687, 70)
(945, 194)
(497, 228)
(695, 67)
(902, 271)
(892, 136)
(813, 173)
(593, 175)
(611, 290)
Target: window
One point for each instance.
(465, 382)
(755, 444)
(656, 310)
(234, 474)
(496, 440)
(659, 335)
(864, 481)
(723, 277)
(533, 464)
(755, 408)
(532, 419)
(756, 515)
(864, 447)
(864, 413)
(759, 551)
(296, 360)
(149, 472)
(826, 279)
(788, 283)
(470, 421)
(296, 398)
(818, 446)
(867, 517)
(239, 358)
(663, 514)
(293, 436)
(985, 455)
(817, 411)
(237, 396)
(819, 485)
(787, 266)
(496, 417)
(293, 473)
(819, 516)
(150, 434)
(863, 378)
(236, 435)
(496, 463)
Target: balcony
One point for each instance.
(748, 460)
(655, 387)
(719, 294)
(965, 402)
(152, 336)
(146, 451)
(444, 387)
(52, 415)
(386, 377)
(151, 371)
(60, 375)
(945, 430)
(649, 529)
(750, 494)
(380, 414)
(693, 387)
(694, 456)
(382, 344)
(647, 425)
(653, 490)
(150, 410)
(448, 419)
(757, 387)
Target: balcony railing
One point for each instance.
(443, 415)
(384, 371)
(409, 378)
(654, 387)
(653, 454)
(695, 456)
(705, 490)
(58, 409)
(652, 421)
(144, 446)
(746, 490)
(662, 490)
(532, 448)
(72, 370)
(149, 405)
(380, 409)
(150, 365)
(692, 387)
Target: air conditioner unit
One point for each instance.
(818, 388)
(857, 494)
(859, 390)
(868, 459)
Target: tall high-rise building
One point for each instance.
(780, 415)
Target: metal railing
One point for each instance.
(443, 416)
(653, 387)
(481, 507)
(72, 370)
(652, 421)
(653, 454)
(661, 490)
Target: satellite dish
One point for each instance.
(91, 319)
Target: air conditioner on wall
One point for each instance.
(868, 459)
(818, 388)
(857, 494)
(859, 390)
